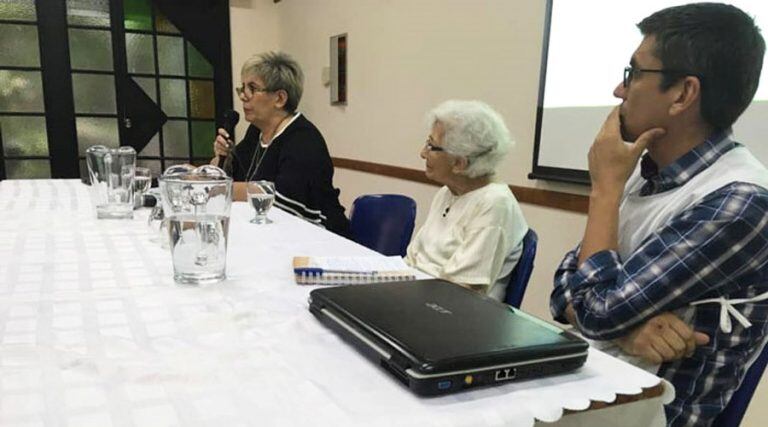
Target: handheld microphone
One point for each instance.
(229, 121)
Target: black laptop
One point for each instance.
(437, 337)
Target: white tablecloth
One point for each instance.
(95, 332)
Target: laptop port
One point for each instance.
(444, 385)
(505, 374)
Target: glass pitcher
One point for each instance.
(196, 204)
(111, 173)
(157, 221)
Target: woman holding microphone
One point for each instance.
(281, 145)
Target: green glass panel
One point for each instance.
(153, 147)
(173, 97)
(88, 12)
(24, 136)
(203, 134)
(198, 65)
(96, 131)
(94, 93)
(140, 53)
(148, 86)
(25, 169)
(90, 49)
(170, 55)
(176, 138)
(23, 10)
(138, 14)
(21, 91)
(19, 46)
(163, 25)
(201, 99)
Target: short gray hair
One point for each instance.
(278, 71)
(473, 130)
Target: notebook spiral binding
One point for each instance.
(327, 278)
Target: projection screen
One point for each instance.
(587, 44)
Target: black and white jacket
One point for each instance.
(299, 164)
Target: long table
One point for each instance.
(93, 331)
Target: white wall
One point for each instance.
(254, 28)
(404, 57)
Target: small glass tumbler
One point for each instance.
(142, 181)
(111, 173)
(261, 195)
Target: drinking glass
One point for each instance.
(261, 195)
(111, 173)
(142, 180)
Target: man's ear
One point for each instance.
(687, 94)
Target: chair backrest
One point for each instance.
(383, 222)
(518, 279)
(734, 411)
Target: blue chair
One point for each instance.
(518, 279)
(734, 411)
(383, 222)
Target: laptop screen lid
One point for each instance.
(439, 326)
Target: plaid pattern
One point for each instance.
(718, 247)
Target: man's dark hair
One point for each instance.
(716, 42)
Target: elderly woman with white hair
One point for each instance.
(473, 234)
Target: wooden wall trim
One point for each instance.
(534, 196)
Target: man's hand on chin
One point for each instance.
(611, 160)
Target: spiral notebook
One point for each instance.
(350, 270)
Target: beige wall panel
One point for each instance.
(404, 57)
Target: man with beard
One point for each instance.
(670, 243)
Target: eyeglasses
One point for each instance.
(248, 90)
(631, 72)
(428, 145)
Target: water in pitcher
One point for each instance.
(199, 247)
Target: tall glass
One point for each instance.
(111, 172)
(261, 195)
(142, 181)
(197, 206)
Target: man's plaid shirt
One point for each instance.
(609, 294)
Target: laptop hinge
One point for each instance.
(399, 362)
